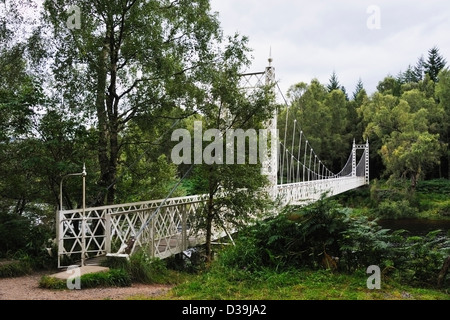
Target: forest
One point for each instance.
(107, 96)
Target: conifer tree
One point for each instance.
(434, 64)
(334, 83)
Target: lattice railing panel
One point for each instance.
(306, 192)
(164, 226)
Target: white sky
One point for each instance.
(311, 39)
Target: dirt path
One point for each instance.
(27, 288)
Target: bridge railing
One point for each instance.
(164, 227)
(303, 193)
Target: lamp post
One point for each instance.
(83, 223)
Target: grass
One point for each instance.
(226, 284)
(14, 268)
(110, 278)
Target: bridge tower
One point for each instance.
(364, 147)
(270, 164)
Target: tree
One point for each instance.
(358, 89)
(409, 76)
(333, 83)
(408, 148)
(340, 138)
(130, 59)
(390, 85)
(235, 192)
(355, 123)
(419, 69)
(312, 115)
(434, 64)
(443, 96)
(324, 117)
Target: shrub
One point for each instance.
(111, 278)
(296, 238)
(143, 269)
(302, 236)
(420, 259)
(396, 209)
(15, 268)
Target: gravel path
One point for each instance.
(27, 288)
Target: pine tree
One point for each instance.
(358, 89)
(419, 69)
(434, 64)
(408, 76)
(334, 83)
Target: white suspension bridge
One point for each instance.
(165, 227)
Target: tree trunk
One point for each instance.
(102, 126)
(209, 221)
(444, 271)
(20, 206)
(448, 164)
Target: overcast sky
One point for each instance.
(355, 38)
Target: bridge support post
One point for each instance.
(107, 232)
(364, 147)
(354, 159)
(152, 238)
(366, 166)
(270, 164)
(184, 240)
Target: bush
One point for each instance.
(420, 259)
(297, 238)
(143, 269)
(111, 278)
(14, 230)
(15, 268)
(396, 209)
(437, 186)
(303, 236)
(21, 239)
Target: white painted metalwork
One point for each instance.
(304, 193)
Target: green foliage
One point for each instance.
(296, 238)
(15, 268)
(110, 278)
(146, 270)
(434, 64)
(13, 232)
(21, 239)
(421, 258)
(436, 186)
(325, 118)
(143, 269)
(356, 198)
(224, 283)
(301, 237)
(48, 282)
(393, 199)
(395, 209)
